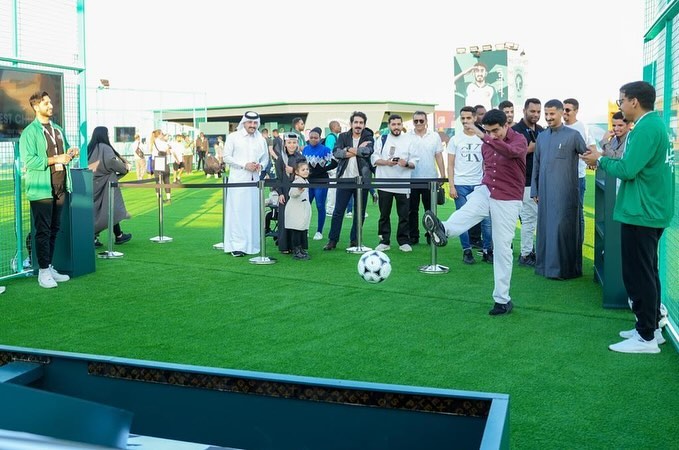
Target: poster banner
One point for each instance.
(480, 79)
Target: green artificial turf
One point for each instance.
(187, 303)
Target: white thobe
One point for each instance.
(241, 232)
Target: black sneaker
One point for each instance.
(468, 257)
(97, 242)
(123, 238)
(331, 245)
(488, 256)
(435, 228)
(500, 309)
(526, 261)
(237, 254)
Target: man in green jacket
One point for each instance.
(644, 207)
(42, 147)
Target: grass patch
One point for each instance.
(184, 302)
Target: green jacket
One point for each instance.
(646, 195)
(33, 151)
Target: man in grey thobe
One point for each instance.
(555, 187)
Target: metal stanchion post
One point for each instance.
(108, 254)
(220, 245)
(433, 268)
(262, 258)
(161, 238)
(359, 217)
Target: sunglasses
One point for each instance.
(418, 120)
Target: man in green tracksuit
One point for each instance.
(45, 154)
(644, 207)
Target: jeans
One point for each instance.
(486, 230)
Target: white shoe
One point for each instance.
(405, 248)
(382, 247)
(349, 214)
(2, 289)
(58, 277)
(663, 317)
(660, 339)
(318, 236)
(636, 345)
(45, 279)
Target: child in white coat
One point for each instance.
(298, 212)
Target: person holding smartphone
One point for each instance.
(46, 154)
(394, 157)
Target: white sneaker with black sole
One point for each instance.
(660, 339)
(45, 279)
(435, 227)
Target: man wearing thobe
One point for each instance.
(556, 189)
(246, 153)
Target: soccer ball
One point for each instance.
(374, 266)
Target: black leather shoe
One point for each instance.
(331, 245)
(500, 309)
(237, 254)
(488, 256)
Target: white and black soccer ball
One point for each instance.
(374, 266)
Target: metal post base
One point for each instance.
(161, 239)
(358, 249)
(434, 269)
(110, 255)
(219, 246)
(262, 260)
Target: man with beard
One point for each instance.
(479, 92)
(394, 157)
(246, 153)
(528, 126)
(43, 148)
(507, 107)
(556, 190)
(352, 151)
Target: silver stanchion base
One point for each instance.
(434, 269)
(358, 249)
(110, 255)
(262, 260)
(161, 239)
(219, 246)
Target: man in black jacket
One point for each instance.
(352, 151)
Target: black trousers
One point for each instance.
(163, 178)
(46, 220)
(385, 202)
(414, 215)
(201, 159)
(639, 255)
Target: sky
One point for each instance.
(274, 51)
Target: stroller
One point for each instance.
(271, 217)
(213, 167)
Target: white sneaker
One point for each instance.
(45, 279)
(635, 345)
(660, 339)
(382, 247)
(58, 277)
(663, 317)
(349, 214)
(318, 236)
(2, 289)
(405, 248)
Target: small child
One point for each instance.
(298, 213)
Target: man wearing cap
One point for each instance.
(246, 153)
